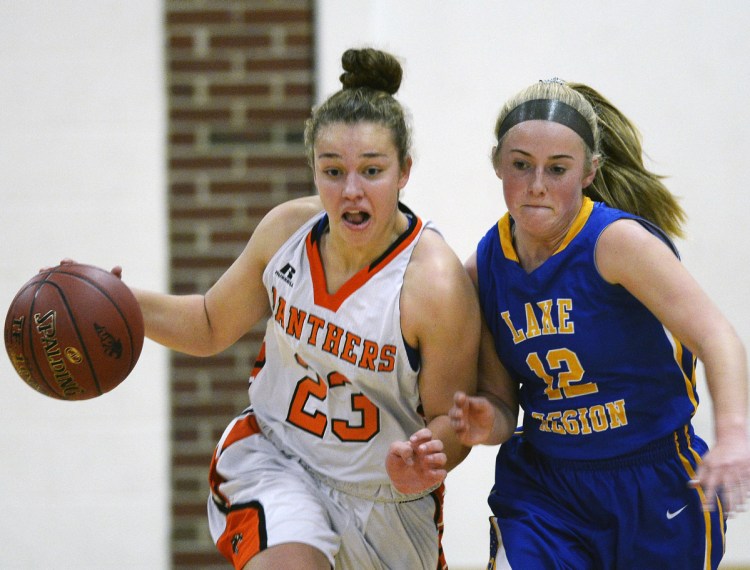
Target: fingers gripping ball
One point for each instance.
(74, 332)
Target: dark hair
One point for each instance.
(371, 77)
(622, 180)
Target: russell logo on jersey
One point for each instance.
(286, 274)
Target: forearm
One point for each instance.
(178, 322)
(727, 380)
(453, 448)
(504, 423)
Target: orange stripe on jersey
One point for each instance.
(333, 301)
(242, 428)
(244, 535)
(438, 495)
(260, 361)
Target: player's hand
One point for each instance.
(116, 270)
(472, 418)
(418, 464)
(65, 261)
(726, 471)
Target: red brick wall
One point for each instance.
(239, 86)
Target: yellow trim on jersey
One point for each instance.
(583, 215)
(689, 378)
(506, 238)
(691, 474)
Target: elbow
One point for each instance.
(508, 421)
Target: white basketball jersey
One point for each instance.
(334, 385)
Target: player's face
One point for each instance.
(542, 166)
(358, 177)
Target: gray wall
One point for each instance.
(83, 485)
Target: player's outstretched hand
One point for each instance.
(418, 464)
(472, 418)
(726, 470)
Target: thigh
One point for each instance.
(640, 513)
(387, 535)
(290, 555)
(536, 515)
(498, 559)
(669, 528)
(261, 498)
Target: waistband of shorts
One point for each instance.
(375, 492)
(656, 451)
(385, 493)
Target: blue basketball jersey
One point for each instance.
(599, 375)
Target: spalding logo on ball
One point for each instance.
(74, 332)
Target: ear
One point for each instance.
(405, 172)
(496, 162)
(589, 178)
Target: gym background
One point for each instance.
(154, 135)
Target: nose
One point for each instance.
(537, 184)
(352, 187)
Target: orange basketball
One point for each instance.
(74, 332)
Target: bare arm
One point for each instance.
(629, 255)
(491, 417)
(447, 332)
(207, 324)
(440, 316)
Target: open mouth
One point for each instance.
(356, 218)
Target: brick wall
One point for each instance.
(239, 86)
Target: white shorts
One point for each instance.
(261, 497)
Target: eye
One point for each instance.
(559, 170)
(520, 164)
(372, 171)
(332, 172)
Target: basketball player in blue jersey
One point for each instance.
(372, 325)
(592, 328)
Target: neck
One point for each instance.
(532, 252)
(342, 260)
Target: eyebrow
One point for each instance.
(553, 157)
(363, 155)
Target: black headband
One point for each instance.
(548, 110)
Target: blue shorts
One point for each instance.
(633, 511)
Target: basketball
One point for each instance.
(74, 332)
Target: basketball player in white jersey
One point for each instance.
(372, 325)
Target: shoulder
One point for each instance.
(436, 282)
(470, 265)
(631, 231)
(626, 245)
(620, 236)
(282, 221)
(286, 218)
(433, 258)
